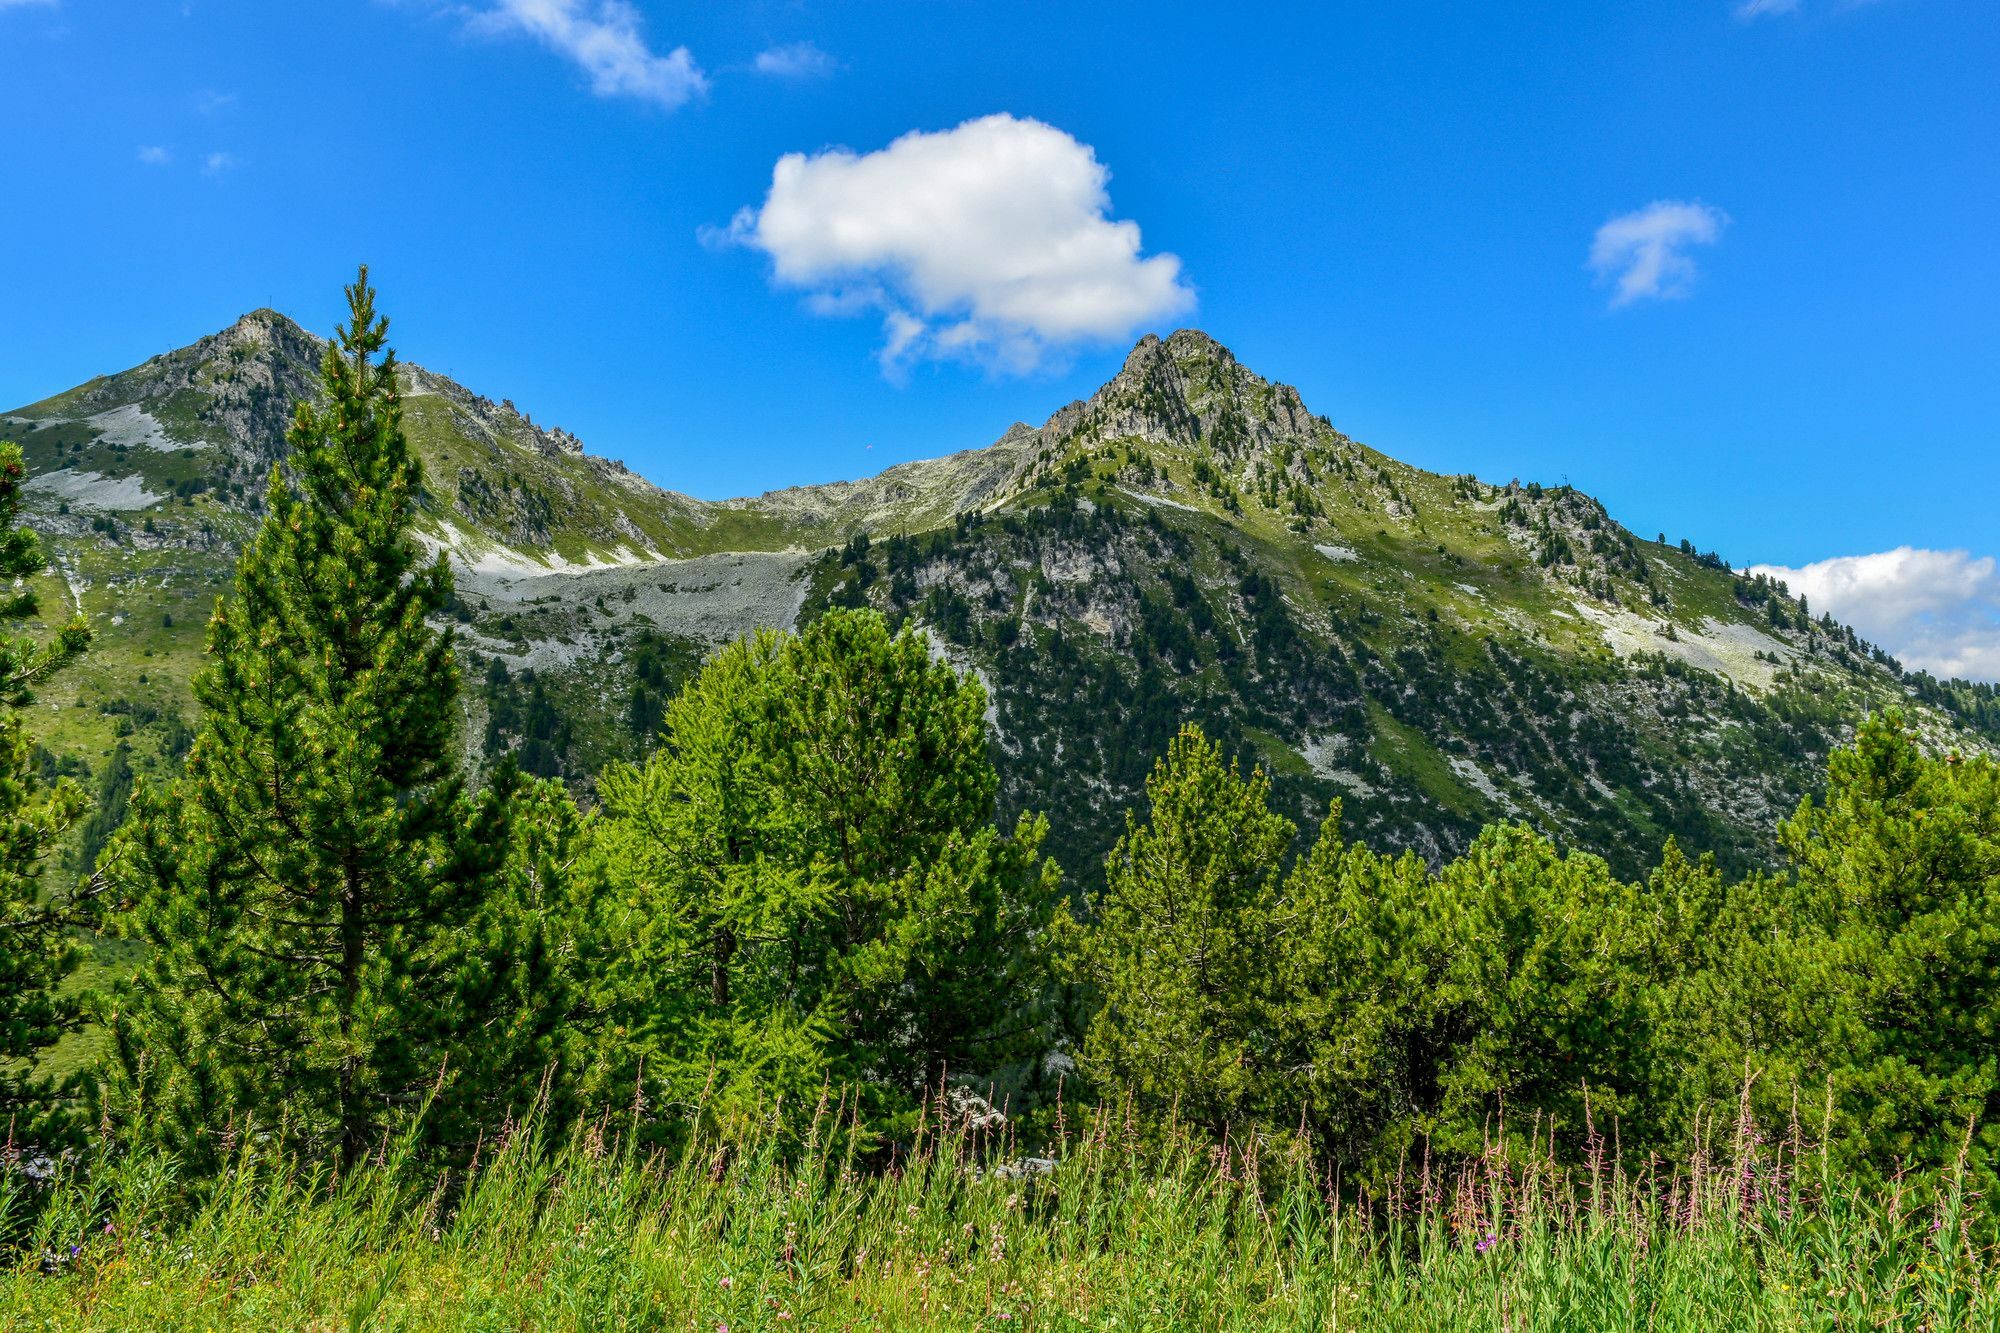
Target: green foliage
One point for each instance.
(1375, 1005)
(38, 919)
(1519, 985)
(305, 885)
(1878, 977)
(526, 991)
(1180, 958)
(1521, 993)
(114, 797)
(803, 883)
(523, 723)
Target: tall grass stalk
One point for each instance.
(750, 1228)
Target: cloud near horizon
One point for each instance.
(1936, 611)
(1644, 253)
(604, 39)
(990, 242)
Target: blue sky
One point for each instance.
(1729, 267)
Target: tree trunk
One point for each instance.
(722, 948)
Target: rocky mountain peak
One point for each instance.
(1185, 343)
(1186, 389)
(263, 334)
(265, 322)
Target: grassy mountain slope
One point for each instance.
(1191, 542)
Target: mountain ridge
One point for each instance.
(1189, 541)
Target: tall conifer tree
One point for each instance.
(38, 947)
(1180, 958)
(803, 884)
(306, 885)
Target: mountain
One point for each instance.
(1190, 542)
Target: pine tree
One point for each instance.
(306, 885)
(1881, 984)
(527, 997)
(1180, 957)
(807, 884)
(38, 919)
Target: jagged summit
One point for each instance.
(1187, 389)
(1180, 343)
(264, 319)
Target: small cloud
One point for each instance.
(154, 156)
(1937, 611)
(23, 4)
(991, 242)
(799, 60)
(209, 102)
(1644, 252)
(214, 164)
(603, 38)
(1748, 11)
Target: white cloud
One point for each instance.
(800, 60)
(155, 156)
(1935, 610)
(603, 37)
(216, 163)
(989, 242)
(1750, 10)
(1644, 252)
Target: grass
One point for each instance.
(1407, 752)
(1123, 1231)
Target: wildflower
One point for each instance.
(725, 1284)
(1486, 1242)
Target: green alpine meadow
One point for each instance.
(1174, 868)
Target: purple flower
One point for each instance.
(1486, 1242)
